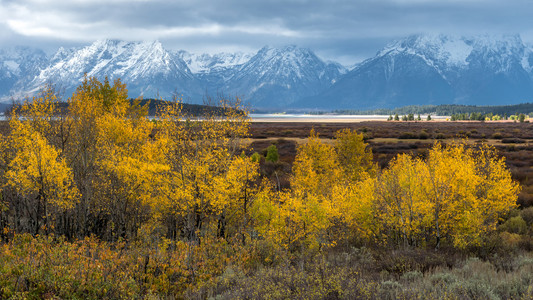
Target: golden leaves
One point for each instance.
(37, 169)
(456, 194)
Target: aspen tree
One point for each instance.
(38, 173)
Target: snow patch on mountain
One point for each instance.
(206, 63)
(12, 65)
(527, 60)
(440, 51)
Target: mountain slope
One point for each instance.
(420, 69)
(429, 69)
(277, 77)
(209, 63)
(17, 66)
(270, 78)
(146, 67)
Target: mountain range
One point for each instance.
(417, 70)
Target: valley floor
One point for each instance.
(155, 268)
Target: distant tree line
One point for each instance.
(408, 117)
(153, 106)
(446, 110)
(477, 116)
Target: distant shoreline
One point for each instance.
(306, 118)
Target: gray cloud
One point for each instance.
(347, 30)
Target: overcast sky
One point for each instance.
(343, 30)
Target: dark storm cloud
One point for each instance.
(350, 30)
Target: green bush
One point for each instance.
(272, 154)
(423, 135)
(256, 157)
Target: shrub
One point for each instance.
(389, 290)
(496, 135)
(256, 157)
(515, 225)
(443, 278)
(527, 215)
(406, 135)
(473, 289)
(440, 136)
(412, 275)
(511, 289)
(513, 141)
(423, 135)
(272, 153)
(510, 240)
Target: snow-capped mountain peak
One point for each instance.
(450, 55)
(420, 69)
(279, 76)
(133, 62)
(444, 49)
(438, 69)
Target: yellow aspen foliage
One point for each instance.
(237, 189)
(331, 195)
(129, 156)
(5, 158)
(287, 221)
(266, 213)
(354, 155)
(401, 202)
(498, 191)
(354, 203)
(311, 206)
(456, 195)
(106, 142)
(315, 168)
(451, 184)
(469, 191)
(40, 112)
(205, 169)
(86, 107)
(38, 170)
